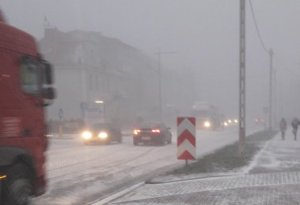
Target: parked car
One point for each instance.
(152, 133)
(102, 133)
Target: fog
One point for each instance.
(203, 37)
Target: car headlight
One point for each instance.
(136, 132)
(87, 135)
(207, 124)
(103, 135)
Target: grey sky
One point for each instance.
(204, 34)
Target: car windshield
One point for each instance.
(163, 95)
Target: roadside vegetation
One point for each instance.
(227, 159)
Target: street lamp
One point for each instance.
(99, 102)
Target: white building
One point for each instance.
(89, 66)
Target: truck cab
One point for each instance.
(25, 90)
(207, 116)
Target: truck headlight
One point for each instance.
(103, 135)
(207, 124)
(87, 135)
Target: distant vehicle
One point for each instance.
(260, 121)
(102, 133)
(207, 116)
(150, 133)
(25, 89)
(230, 122)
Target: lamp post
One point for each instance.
(159, 53)
(271, 90)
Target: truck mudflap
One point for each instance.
(2, 178)
(40, 186)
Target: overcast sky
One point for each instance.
(203, 33)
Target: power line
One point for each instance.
(257, 28)
(270, 53)
(289, 70)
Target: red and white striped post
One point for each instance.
(186, 140)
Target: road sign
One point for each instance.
(186, 140)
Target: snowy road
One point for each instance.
(80, 174)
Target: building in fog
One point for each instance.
(90, 67)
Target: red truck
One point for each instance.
(25, 89)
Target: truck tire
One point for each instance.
(17, 186)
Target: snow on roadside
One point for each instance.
(277, 155)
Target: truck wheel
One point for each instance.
(17, 186)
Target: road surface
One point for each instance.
(80, 174)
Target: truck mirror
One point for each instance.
(48, 93)
(48, 73)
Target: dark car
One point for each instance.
(103, 133)
(152, 133)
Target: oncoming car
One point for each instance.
(152, 133)
(102, 133)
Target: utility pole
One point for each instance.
(159, 53)
(159, 86)
(242, 76)
(275, 97)
(271, 90)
